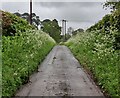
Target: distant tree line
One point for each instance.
(71, 32)
(35, 19)
(78, 31)
(50, 27)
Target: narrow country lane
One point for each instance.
(60, 74)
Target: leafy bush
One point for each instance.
(52, 28)
(22, 50)
(109, 22)
(12, 24)
(98, 51)
(95, 52)
(21, 56)
(0, 69)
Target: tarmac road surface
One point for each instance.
(60, 74)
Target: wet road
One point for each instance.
(60, 74)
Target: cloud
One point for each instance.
(64, 4)
(74, 11)
(56, 0)
(78, 14)
(16, 7)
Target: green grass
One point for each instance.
(0, 70)
(96, 53)
(23, 49)
(21, 56)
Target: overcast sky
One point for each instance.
(78, 14)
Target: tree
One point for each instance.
(114, 5)
(52, 28)
(35, 19)
(70, 31)
(78, 31)
(25, 16)
(17, 14)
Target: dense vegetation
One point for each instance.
(35, 19)
(98, 50)
(52, 28)
(110, 22)
(22, 50)
(96, 54)
(0, 66)
(12, 24)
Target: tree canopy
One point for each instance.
(35, 19)
(52, 28)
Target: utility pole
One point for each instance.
(30, 20)
(30, 11)
(64, 28)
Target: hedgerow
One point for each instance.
(21, 56)
(23, 49)
(96, 53)
(98, 50)
(0, 68)
(12, 24)
(109, 22)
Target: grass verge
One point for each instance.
(95, 52)
(21, 55)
